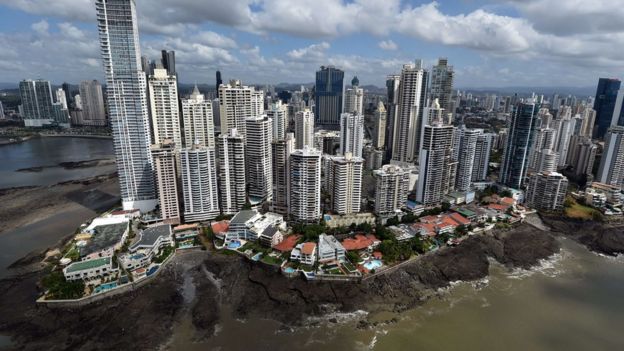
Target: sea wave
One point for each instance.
(549, 267)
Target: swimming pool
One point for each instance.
(234, 244)
(104, 287)
(289, 270)
(373, 264)
(257, 256)
(152, 270)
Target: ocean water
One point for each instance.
(570, 302)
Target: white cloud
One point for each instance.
(214, 39)
(69, 31)
(388, 45)
(41, 27)
(309, 52)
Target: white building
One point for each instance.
(351, 134)
(151, 241)
(258, 159)
(438, 169)
(250, 225)
(304, 129)
(482, 157)
(391, 189)
(163, 98)
(546, 191)
(164, 156)
(127, 102)
(304, 253)
(199, 183)
(92, 101)
(236, 103)
(90, 269)
(344, 179)
(411, 102)
(354, 100)
(198, 121)
(280, 152)
(232, 178)
(466, 161)
(330, 249)
(381, 115)
(611, 170)
(278, 112)
(304, 185)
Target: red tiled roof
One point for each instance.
(507, 201)
(429, 219)
(447, 222)
(186, 226)
(220, 227)
(288, 243)
(498, 207)
(359, 242)
(377, 255)
(459, 219)
(308, 248)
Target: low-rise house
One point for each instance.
(271, 236)
(595, 198)
(403, 232)
(102, 237)
(219, 229)
(330, 249)
(304, 253)
(128, 214)
(613, 193)
(90, 269)
(288, 244)
(361, 242)
(151, 241)
(249, 224)
(334, 221)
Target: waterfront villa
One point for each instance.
(330, 249)
(90, 269)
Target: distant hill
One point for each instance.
(577, 91)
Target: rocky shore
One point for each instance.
(144, 319)
(603, 238)
(71, 165)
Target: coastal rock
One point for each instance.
(606, 239)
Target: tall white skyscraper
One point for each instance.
(546, 191)
(611, 170)
(199, 183)
(61, 98)
(304, 185)
(589, 119)
(163, 98)
(381, 116)
(442, 85)
(127, 102)
(411, 102)
(304, 129)
(198, 121)
(278, 112)
(258, 158)
(466, 157)
(92, 101)
(482, 157)
(565, 131)
(232, 178)
(280, 152)
(236, 103)
(437, 172)
(354, 98)
(164, 156)
(351, 134)
(344, 174)
(391, 189)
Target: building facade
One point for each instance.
(604, 105)
(163, 99)
(236, 103)
(232, 177)
(344, 180)
(258, 159)
(611, 169)
(546, 191)
(199, 183)
(351, 134)
(304, 185)
(164, 156)
(93, 111)
(36, 97)
(391, 189)
(198, 121)
(521, 132)
(280, 152)
(437, 167)
(304, 129)
(328, 96)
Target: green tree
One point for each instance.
(353, 256)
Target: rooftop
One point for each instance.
(242, 217)
(359, 242)
(308, 248)
(90, 264)
(220, 227)
(151, 234)
(329, 242)
(287, 244)
(104, 237)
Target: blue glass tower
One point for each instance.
(606, 95)
(524, 122)
(328, 96)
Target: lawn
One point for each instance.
(272, 260)
(576, 210)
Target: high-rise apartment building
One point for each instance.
(344, 183)
(587, 126)
(380, 116)
(391, 189)
(437, 168)
(163, 99)
(328, 96)
(164, 156)
(199, 183)
(198, 121)
(442, 85)
(304, 129)
(236, 103)
(411, 102)
(218, 83)
(582, 155)
(127, 102)
(546, 191)
(392, 87)
(168, 62)
(278, 112)
(611, 170)
(258, 158)
(304, 185)
(232, 178)
(466, 160)
(36, 96)
(354, 98)
(604, 104)
(351, 134)
(521, 133)
(92, 100)
(482, 157)
(280, 152)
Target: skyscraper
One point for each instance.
(36, 96)
(60, 98)
(236, 103)
(381, 115)
(278, 112)
(618, 111)
(411, 102)
(198, 120)
(611, 170)
(232, 178)
(199, 183)
(391, 190)
(328, 96)
(68, 95)
(163, 98)
(127, 102)
(437, 168)
(344, 179)
(442, 85)
(164, 157)
(587, 126)
(604, 104)
(258, 158)
(354, 98)
(168, 62)
(546, 191)
(351, 134)
(93, 112)
(520, 138)
(466, 160)
(304, 185)
(482, 157)
(582, 155)
(304, 129)
(280, 152)
(392, 87)
(219, 81)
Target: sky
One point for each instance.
(490, 43)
